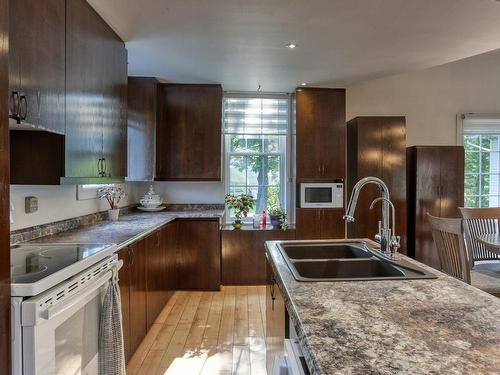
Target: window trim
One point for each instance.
(285, 165)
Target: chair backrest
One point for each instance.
(478, 221)
(449, 239)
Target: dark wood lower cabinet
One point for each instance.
(160, 269)
(124, 276)
(316, 224)
(198, 254)
(243, 254)
(138, 291)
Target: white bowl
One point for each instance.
(151, 204)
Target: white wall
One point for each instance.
(187, 192)
(431, 98)
(57, 203)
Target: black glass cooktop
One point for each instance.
(31, 263)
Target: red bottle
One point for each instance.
(264, 219)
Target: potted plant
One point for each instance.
(241, 204)
(113, 195)
(278, 218)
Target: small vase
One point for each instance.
(237, 224)
(113, 214)
(275, 222)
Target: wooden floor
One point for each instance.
(206, 333)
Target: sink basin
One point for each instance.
(345, 269)
(325, 251)
(349, 260)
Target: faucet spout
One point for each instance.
(353, 201)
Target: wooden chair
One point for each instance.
(449, 239)
(478, 221)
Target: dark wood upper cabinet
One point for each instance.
(5, 302)
(319, 223)
(376, 146)
(320, 144)
(188, 132)
(435, 185)
(96, 80)
(37, 61)
(198, 255)
(142, 97)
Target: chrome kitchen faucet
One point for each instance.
(389, 242)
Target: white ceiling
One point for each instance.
(240, 43)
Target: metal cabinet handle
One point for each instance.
(104, 167)
(22, 99)
(99, 167)
(131, 256)
(39, 100)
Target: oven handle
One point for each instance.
(52, 312)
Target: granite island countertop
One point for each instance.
(433, 326)
(129, 228)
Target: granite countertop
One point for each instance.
(129, 228)
(436, 326)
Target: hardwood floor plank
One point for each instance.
(258, 356)
(166, 310)
(191, 307)
(175, 313)
(175, 348)
(163, 338)
(142, 351)
(151, 362)
(211, 333)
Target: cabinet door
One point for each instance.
(124, 276)
(169, 249)
(141, 128)
(308, 224)
(37, 60)
(189, 124)
(320, 144)
(138, 289)
(84, 94)
(427, 201)
(451, 180)
(114, 93)
(332, 223)
(154, 276)
(198, 255)
(308, 154)
(332, 126)
(275, 321)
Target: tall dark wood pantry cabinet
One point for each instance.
(376, 146)
(320, 156)
(435, 186)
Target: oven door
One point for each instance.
(63, 337)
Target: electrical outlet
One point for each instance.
(30, 205)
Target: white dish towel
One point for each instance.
(111, 350)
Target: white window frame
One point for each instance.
(286, 164)
(479, 124)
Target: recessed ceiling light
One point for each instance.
(291, 45)
(303, 84)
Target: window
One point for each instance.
(256, 144)
(481, 139)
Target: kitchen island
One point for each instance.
(429, 326)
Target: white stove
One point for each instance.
(57, 294)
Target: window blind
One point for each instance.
(481, 124)
(266, 114)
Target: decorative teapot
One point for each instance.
(151, 199)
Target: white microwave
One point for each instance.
(321, 195)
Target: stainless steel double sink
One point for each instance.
(349, 260)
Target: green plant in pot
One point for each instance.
(278, 218)
(241, 204)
